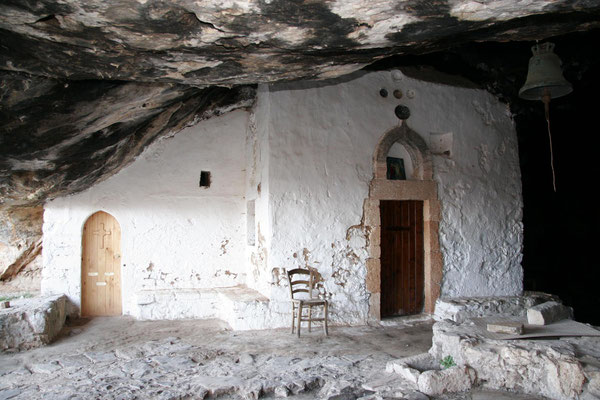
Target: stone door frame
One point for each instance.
(420, 186)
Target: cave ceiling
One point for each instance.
(87, 84)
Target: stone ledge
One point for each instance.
(231, 304)
(460, 309)
(31, 323)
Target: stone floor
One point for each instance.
(121, 358)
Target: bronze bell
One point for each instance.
(545, 77)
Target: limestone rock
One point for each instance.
(406, 372)
(30, 323)
(463, 308)
(20, 239)
(86, 120)
(341, 390)
(202, 43)
(416, 396)
(281, 391)
(410, 368)
(389, 385)
(593, 385)
(547, 313)
(453, 379)
(548, 368)
(152, 63)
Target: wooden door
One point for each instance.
(402, 270)
(101, 266)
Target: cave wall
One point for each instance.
(304, 156)
(21, 248)
(176, 235)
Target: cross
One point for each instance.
(102, 232)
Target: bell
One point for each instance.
(544, 78)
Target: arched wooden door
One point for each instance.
(101, 266)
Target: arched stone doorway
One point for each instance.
(420, 187)
(101, 266)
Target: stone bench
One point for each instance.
(241, 307)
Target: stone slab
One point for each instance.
(513, 328)
(548, 312)
(450, 380)
(460, 309)
(564, 328)
(31, 322)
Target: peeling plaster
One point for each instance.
(305, 157)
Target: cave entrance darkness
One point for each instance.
(560, 229)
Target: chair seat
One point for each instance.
(310, 301)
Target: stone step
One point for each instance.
(243, 308)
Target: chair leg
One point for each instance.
(325, 319)
(299, 318)
(293, 317)
(309, 317)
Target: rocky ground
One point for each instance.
(121, 358)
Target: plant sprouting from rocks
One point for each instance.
(447, 362)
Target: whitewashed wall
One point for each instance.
(322, 141)
(175, 235)
(304, 155)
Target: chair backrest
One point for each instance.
(301, 281)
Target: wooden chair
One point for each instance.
(301, 294)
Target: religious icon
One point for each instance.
(395, 169)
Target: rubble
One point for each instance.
(567, 368)
(548, 312)
(547, 367)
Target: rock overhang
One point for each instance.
(87, 85)
(246, 42)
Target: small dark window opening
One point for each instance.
(205, 179)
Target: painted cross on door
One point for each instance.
(101, 266)
(103, 233)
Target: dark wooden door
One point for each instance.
(402, 275)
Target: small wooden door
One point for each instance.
(101, 266)
(402, 256)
